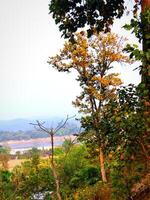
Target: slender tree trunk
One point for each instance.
(145, 5)
(53, 167)
(101, 160)
(56, 182)
(52, 147)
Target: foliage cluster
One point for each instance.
(71, 15)
(32, 179)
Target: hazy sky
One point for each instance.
(29, 87)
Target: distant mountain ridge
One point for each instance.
(15, 125)
(24, 124)
(21, 129)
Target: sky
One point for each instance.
(29, 86)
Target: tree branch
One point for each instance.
(62, 123)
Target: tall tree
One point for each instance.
(92, 59)
(99, 15)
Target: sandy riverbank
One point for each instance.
(40, 143)
(42, 140)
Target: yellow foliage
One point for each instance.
(104, 81)
(44, 163)
(92, 58)
(116, 81)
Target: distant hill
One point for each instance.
(24, 124)
(21, 129)
(15, 125)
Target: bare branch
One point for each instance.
(62, 123)
(40, 126)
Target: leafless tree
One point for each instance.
(40, 126)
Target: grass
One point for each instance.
(14, 162)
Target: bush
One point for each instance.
(98, 191)
(86, 176)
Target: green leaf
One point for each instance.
(127, 27)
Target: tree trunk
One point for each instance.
(145, 5)
(56, 182)
(101, 160)
(53, 167)
(52, 147)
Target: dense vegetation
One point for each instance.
(78, 173)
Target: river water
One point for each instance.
(27, 146)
